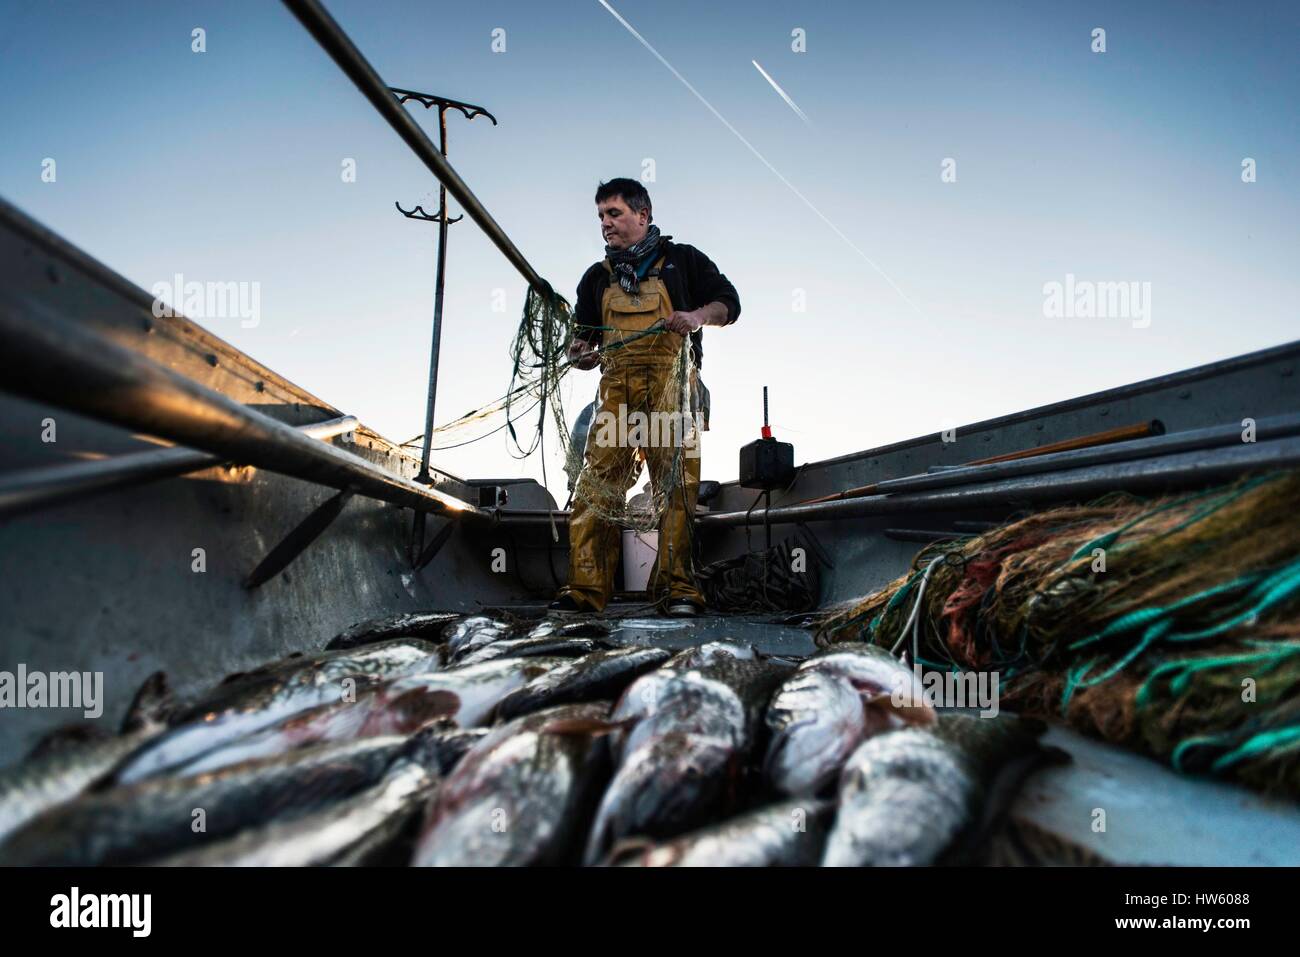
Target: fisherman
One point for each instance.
(634, 309)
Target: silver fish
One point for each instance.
(269, 697)
(790, 834)
(392, 843)
(645, 695)
(687, 746)
(709, 653)
(469, 695)
(142, 821)
(833, 702)
(60, 773)
(597, 676)
(383, 710)
(553, 628)
(906, 797)
(527, 647)
(522, 794)
(33, 787)
(424, 624)
(377, 662)
(323, 836)
(474, 632)
(354, 829)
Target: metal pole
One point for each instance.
(437, 305)
(417, 543)
(469, 110)
(68, 365)
(1272, 427)
(30, 489)
(337, 44)
(1188, 469)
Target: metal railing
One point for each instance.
(1199, 466)
(50, 359)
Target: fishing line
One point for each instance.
(912, 618)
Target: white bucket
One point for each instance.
(639, 552)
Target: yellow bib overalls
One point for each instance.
(635, 377)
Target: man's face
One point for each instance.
(619, 225)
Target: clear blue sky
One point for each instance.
(1122, 166)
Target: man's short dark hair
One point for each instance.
(630, 191)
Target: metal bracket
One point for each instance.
(429, 101)
(293, 544)
(419, 213)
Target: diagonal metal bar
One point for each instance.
(344, 52)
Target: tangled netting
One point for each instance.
(539, 361)
(668, 425)
(1169, 625)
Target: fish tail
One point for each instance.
(153, 704)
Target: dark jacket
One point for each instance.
(692, 281)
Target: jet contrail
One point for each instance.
(780, 92)
(763, 159)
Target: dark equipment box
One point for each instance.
(766, 464)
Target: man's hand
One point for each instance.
(684, 323)
(583, 354)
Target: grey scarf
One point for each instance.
(624, 262)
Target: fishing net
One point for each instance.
(665, 423)
(538, 354)
(783, 578)
(1170, 625)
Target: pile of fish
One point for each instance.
(445, 740)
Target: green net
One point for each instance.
(1171, 625)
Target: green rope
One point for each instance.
(1274, 589)
(1149, 637)
(1279, 739)
(1072, 678)
(1189, 666)
(1158, 622)
(1144, 616)
(1107, 540)
(1209, 740)
(1275, 739)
